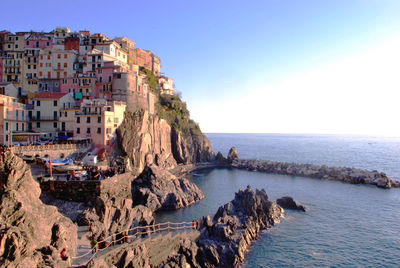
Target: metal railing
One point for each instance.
(129, 236)
(47, 147)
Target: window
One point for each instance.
(55, 115)
(55, 124)
(78, 120)
(16, 114)
(65, 74)
(65, 114)
(48, 57)
(38, 103)
(65, 56)
(88, 119)
(23, 127)
(108, 130)
(65, 65)
(37, 124)
(17, 127)
(55, 103)
(88, 130)
(58, 56)
(109, 79)
(27, 43)
(99, 119)
(98, 130)
(6, 125)
(116, 120)
(78, 130)
(40, 73)
(47, 43)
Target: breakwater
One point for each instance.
(344, 174)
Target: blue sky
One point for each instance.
(256, 66)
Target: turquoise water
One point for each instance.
(345, 225)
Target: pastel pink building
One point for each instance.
(104, 80)
(69, 85)
(38, 40)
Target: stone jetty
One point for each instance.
(344, 174)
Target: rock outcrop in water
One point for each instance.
(288, 203)
(157, 188)
(344, 174)
(225, 239)
(31, 234)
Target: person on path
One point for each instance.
(64, 256)
(93, 244)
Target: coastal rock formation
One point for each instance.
(288, 203)
(146, 138)
(233, 155)
(114, 211)
(157, 188)
(221, 160)
(31, 234)
(191, 147)
(349, 175)
(225, 239)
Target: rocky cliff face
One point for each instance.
(191, 148)
(32, 234)
(147, 139)
(156, 189)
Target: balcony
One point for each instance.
(43, 118)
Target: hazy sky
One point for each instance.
(256, 66)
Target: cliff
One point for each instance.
(32, 234)
(167, 138)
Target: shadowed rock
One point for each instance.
(232, 155)
(288, 203)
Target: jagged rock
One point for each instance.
(288, 203)
(159, 189)
(344, 174)
(224, 242)
(114, 211)
(31, 234)
(232, 155)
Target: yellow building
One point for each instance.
(45, 114)
(12, 118)
(98, 120)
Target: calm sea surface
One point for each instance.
(345, 225)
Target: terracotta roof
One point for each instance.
(50, 95)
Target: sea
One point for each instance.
(345, 225)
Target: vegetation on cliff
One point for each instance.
(174, 110)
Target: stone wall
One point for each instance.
(80, 191)
(83, 191)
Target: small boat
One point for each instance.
(66, 168)
(28, 158)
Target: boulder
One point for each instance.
(288, 203)
(157, 189)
